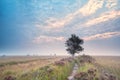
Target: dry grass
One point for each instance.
(17, 65)
(31, 65)
(110, 64)
(42, 68)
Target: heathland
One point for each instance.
(59, 67)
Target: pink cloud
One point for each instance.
(102, 36)
(89, 8)
(42, 39)
(102, 18)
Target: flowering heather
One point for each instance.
(60, 63)
(9, 78)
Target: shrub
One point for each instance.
(9, 78)
(59, 63)
(81, 76)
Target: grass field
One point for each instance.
(18, 66)
(33, 67)
(110, 64)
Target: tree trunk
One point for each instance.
(73, 56)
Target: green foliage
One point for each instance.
(87, 69)
(73, 44)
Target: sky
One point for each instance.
(41, 27)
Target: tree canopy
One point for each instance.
(73, 44)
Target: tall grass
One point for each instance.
(56, 73)
(49, 72)
(110, 64)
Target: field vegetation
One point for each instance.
(39, 68)
(110, 64)
(59, 68)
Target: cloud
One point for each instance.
(91, 7)
(111, 3)
(102, 18)
(88, 9)
(54, 23)
(50, 39)
(58, 23)
(44, 39)
(102, 36)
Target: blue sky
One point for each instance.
(42, 26)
